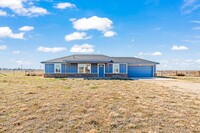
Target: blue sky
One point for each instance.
(168, 32)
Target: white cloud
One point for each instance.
(7, 32)
(188, 3)
(149, 53)
(3, 13)
(189, 6)
(72, 19)
(197, 61)
(35, 11)
(156, 54)
(76, 36)
(54, 49)
(65, 5)
(16, 52)
(3, 47)
(93, 23)
(195, 21)
(85, 48)
(26, 28)
(196, 28)
(175, 47)
(23, 7)
(109, 33)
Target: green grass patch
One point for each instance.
(67, 88)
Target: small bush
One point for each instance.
(93, 87)
(180, 74)
(67, 87)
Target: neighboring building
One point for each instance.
(81, 65)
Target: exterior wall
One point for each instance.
(94, 68)
(122, 68)
(69, 68)
(49, 68)
(108, 68)
(84, 75)
(59, 75)
(72, 68)
(116, 75)
(63, 68)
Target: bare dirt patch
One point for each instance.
(35, 104)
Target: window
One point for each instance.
(84, 68)
(115, 68)
(57, 68)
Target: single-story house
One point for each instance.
(93, 65)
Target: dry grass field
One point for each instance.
(35, 104)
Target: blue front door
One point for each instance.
(101, 70)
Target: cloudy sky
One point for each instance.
(165, 31)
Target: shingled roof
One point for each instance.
(98, 58)
(132, 60)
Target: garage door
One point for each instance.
(140, 71)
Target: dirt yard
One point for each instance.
(35, 104)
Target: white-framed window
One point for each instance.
(57, 68)
(115, 68)
(84, 68)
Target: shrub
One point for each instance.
(93, 87)
(180, 74)
(67, 87)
